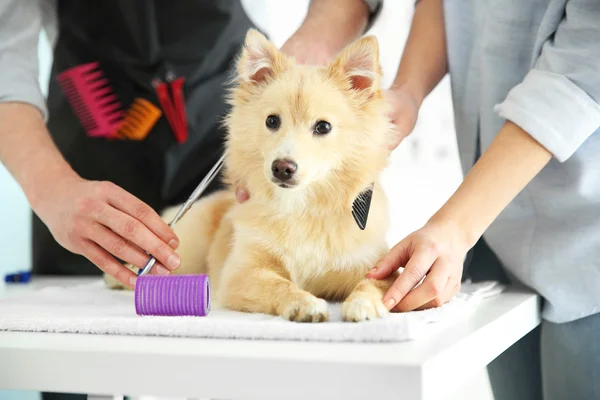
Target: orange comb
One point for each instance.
(138, 120)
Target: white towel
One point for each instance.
(91, 308)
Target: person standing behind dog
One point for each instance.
(526, 92)
(97, 199)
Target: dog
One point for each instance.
(305, 141)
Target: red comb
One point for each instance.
(92, 99)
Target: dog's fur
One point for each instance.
(285, 250)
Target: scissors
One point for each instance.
(187, 205)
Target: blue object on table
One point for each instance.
(19, 277)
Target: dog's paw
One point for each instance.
(362, 308)
(306, 309)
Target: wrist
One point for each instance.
(306, 50)
(410, 90)
(44, 181)
(331, 25)
(463, 235)
(411, 94)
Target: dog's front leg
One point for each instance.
(258, 283)
(365, 301)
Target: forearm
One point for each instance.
(423, 63)
(513, 159)
(335, 23)
(555, 108)
(27, 150)
(329, 26)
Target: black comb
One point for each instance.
(361, 206)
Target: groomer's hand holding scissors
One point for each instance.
(101, 221)
(95, 219)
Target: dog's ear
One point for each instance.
(259, 59)
(359, 64)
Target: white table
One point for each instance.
(430, 368)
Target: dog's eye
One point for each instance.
(322, 128)
(273, 122)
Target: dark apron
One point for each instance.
(135, 41)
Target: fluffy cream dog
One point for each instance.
(305, 141)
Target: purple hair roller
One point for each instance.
(183, 295)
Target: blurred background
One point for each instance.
(424, 170)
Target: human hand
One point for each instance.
(101, 221)
(435, 252)
(329, 26)
(306, 52)
(404, 112)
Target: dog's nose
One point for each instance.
(283, 170)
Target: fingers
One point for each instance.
(397, 138)
(448, 294)
(403, 114)
(107, 263)
(122, 249)
(395, 142)
(397, 257)
(432, 290)
(416, 268)
(129, 204)
(160, 269)
(138, 234)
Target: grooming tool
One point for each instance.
(170, 96)
(179, 103)
(162, 91)
(139, 119)
(92, 98)
(183, 295)
(19, 277)
(187, 205)
(361, 206)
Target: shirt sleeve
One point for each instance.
(557, 102)
(21, 22)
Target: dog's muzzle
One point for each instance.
(284, 173)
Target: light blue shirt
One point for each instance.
(537, 63)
